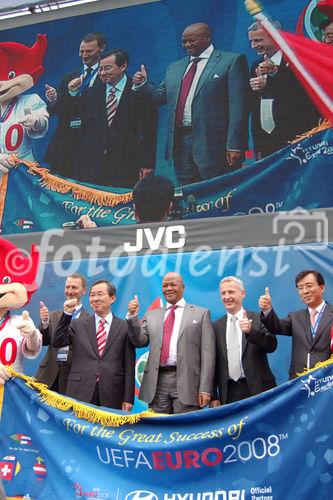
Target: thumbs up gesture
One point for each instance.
(26, 326)
(133, 306)
(265, 301)
(267, 67)
(140, 76)
(245, 323)
(44, 312)
(50, 94)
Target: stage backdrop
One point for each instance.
(152, 35)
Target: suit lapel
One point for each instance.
(306, 325)
(160, 322)
(91, 331)
(186, 318)
(113, 333)
(325, 320)
(212, 62)
(223, 336)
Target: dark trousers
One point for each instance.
(237, 390)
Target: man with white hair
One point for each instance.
(242, 344)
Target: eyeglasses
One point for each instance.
(307, 286)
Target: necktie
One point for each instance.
(111, 106)
(185, 89)
(313, 315)
(101, 337)
(87, 78)
(167, 332)
(233, 350)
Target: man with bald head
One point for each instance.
(179, 373)
(206, 97)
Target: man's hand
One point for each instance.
(235, 158)
(144, 172)
(265, 301)
(245, 323)
(4, 375)
(133, 306)
(26, 326)
(267, 67)
(86, 222)
(204, 399)
(140, 76)
(214, 403)
(258, 83)
(75, 84)
(51, 94)
(43, 312)
(69, 306)
(126, 406)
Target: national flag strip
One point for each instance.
(21, 438)
(9, 467)
(332, 338)
(311, 61)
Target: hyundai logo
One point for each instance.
(141, 495)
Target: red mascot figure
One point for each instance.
(19, 338)
(22, 117)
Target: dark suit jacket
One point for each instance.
(293, 110)
(50, 369)
(195, 352)
(255, 345)
(219, 107)
(298, 326)
(66, 142)
(115, 368)
(113, 155)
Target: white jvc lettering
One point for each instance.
(174, 237)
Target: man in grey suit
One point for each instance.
(56, 364)
(309, 328)
(242, 344)
(179, 373)
(206, 95)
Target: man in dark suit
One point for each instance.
(56, 364)
(66, 141)
(206, 95)
(103, 361)
(242, 344)
(179, 373)
(280, 108)
(119, 127)
(309, 328)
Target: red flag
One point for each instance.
(312, 62)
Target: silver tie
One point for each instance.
(233, 350)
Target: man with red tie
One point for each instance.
(103, 361)
(179, 373)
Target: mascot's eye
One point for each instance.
(11, 75)
(6, 280)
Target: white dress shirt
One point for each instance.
(172, 359)
(107, 324)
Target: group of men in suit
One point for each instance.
(208, 94)
(192, 362)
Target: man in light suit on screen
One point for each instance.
(206, 94)
(179, 373)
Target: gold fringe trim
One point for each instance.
(81, 410)
(322, 125)
(65, 186)
(320, 364)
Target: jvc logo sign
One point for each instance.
(170, 237)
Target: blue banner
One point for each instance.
(241, 451)
(294, 177)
